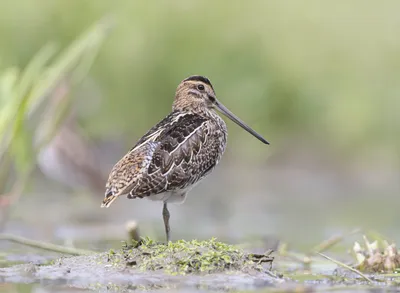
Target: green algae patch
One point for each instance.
(187, 257)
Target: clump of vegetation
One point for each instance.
(373, 257)
(185, 257)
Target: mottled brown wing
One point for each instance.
(163, 126)
(184, 154)
(173, 156)
(128, 171)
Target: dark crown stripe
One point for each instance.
(199, 78)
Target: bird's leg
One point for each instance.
(166, 220)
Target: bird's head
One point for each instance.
(196, 94)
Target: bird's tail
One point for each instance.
(108, 200)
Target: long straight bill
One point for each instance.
(239, 122)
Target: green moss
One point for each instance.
(185, 257)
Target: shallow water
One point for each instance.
(298, 207)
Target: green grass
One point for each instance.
(23, 91)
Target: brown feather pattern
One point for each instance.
(176, 153)
(173, 155)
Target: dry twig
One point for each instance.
(44, 245)
(346, 267)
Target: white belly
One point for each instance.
(176, 197)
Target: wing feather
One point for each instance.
(172, 155)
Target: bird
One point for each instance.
(69, 160)
(67, 157)
(178, 152)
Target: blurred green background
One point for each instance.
(301, 73)
(318, 79)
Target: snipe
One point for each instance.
(68, 157)
(176, 153)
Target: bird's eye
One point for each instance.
(200, 87)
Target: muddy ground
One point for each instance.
(298, 208)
